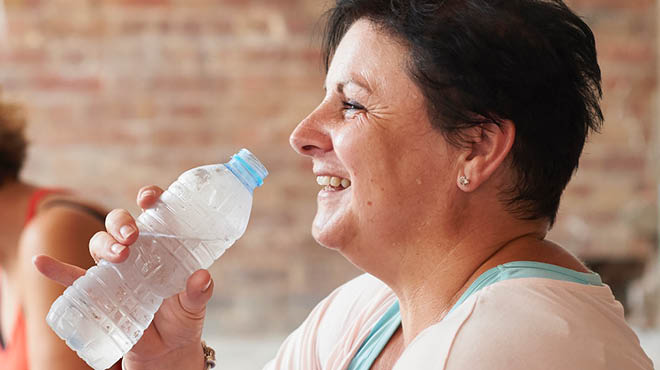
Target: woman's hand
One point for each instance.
(173, 340)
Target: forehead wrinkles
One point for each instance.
(367, 53)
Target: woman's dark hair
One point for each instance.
(12, 141)
(484, 61)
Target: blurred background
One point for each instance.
(124, 93)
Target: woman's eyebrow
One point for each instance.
(354, 80)
(360, 84)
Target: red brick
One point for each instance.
(192, 28)
(23, 3)
(59, 83)
(142, 2)
(189, 110)
(222, 26)
(619, 163)
(300, 25)
(133, 27)
(24, 56)
(164, 26)
(641, 5)
(180, 83)
(625, 50)
(90, 25)
(75, 57)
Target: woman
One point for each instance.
(34, 220)
(447, 134)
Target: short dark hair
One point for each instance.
(12, 141)
(484, 61)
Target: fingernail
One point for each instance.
(147, 193)
(208, 285)
(126, 231)
(117, 248)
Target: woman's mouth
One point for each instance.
(333, 183)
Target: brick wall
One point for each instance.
(609, 205)
(123, 93)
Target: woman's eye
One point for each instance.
(351, 105)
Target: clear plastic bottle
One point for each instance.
(104, 313)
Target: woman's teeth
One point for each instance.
(333, 181)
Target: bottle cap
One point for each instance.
(252, 164)
(248, 169)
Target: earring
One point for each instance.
(464, 181)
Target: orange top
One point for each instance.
(15, 355)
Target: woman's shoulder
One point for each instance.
(62, 204)
(54, 207)
(61, 227)
(359, 296)
(363, 297)
(559, 323)
(539, 295)
(337, 325)
(537, 322)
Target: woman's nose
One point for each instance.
(309, 137)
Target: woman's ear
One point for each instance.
(488, 146)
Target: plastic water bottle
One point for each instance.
(104, 313)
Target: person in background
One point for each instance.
(35, 220)
(446, 137)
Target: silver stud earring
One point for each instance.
(464, 181)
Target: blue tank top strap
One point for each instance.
(377, 339)
(389, 323)
(528, 269)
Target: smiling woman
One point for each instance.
(383, 143)
(447, 134)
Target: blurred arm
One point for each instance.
(61, 232)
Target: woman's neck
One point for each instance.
(433, 277)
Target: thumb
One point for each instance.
(58, 271)
(199, 289)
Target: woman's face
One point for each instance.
(391, 174)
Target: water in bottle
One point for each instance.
(104, 313)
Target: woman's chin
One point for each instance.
(328, 234)
(325, 238)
